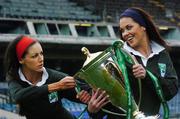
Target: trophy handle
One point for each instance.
(113, 69)
(85, 51)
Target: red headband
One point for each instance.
(22, 45)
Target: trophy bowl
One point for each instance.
(103, 72)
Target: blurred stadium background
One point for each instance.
(64, 26)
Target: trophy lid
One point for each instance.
(90, 56)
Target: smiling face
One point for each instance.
(132, 32)
(34, 59)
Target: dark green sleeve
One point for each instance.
(70, 94)
(169, 82)
(23, 94)
(98, 115)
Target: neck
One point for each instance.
(32, 76)
(145, 51)
(144, 48)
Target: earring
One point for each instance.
(144, 28)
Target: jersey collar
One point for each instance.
(40, 83)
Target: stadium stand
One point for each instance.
(9, 115)
(109, 10)
(67, 25)
(75, 108)
(44, 9)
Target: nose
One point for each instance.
(125, 34)
(41, 58)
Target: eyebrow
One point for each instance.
(35, 53)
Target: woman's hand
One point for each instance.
(84, 96)
(139, 71)
(65, 83)
(98, 100)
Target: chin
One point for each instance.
(39, 70)
(132, 45)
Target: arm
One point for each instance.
(83, 95)
(169, 82)
(59, 79)
(65, 83)
(21, 93)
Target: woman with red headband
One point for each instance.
(143, 40)
(38, 90)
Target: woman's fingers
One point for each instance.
(102, 94)
(84, 96)
(102, 99)
(139, 71)
(104, 102)
(98, 100)
(67, 82)
(95, 93)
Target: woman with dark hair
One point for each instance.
(142, 39)
(37, 90)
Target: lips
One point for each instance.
(40, 65)
(130, 38)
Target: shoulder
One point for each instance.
(164, 53)
(55, 74)
(164, 57)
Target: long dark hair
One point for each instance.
(11, 62)
(151, 29)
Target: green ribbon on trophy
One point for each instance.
(107, 70)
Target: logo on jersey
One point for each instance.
(53, 97)
(162, 68)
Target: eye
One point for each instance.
(41, 53)
(121, 30)
(129, 27)
(35, 55)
